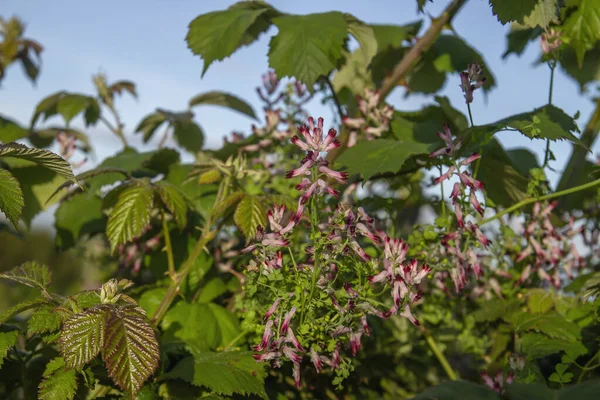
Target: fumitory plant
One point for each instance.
(382, 253)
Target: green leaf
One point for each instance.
(11, 131)
(250, 213)
(151, 299)
(43, 320)
(130, 350)
(380, 156)
(539, 301)
(523, 160)
(392, 36)
(582, 391)
(123, 86)
(61, 385)
(45, 158)
(188, 135)
(224, 373)
(19, 308)
(231, 200)
(130, 215)
(544, 14)
(539, 345)
(518, 39)
(583, 27)
(458, 390)
(512, 10)
(495, 309)
(213, 289)
(216, 35)
(217, 98)
(530, 391)
(551, 324)
(588, 71)
(204, 326)
(77, 216)
(83, 336)
(7, 341)
(31, 273)
(174, 200)
(365, 36)
(149, 124)
(68, 105)
(11, 197)
(307, 46)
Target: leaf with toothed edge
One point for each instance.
(32, 274)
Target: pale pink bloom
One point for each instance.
(287, 319)
(272, 309)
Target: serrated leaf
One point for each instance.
(544, 13)
(250, 213)
(174, 200)
(130, 215)
(369, 158)
(231, 200)
(19, 308)
(224, 373)
(518, 39)
(43, 320)
(120, 87)
(149, 124)
(539, 345)
(68, 105)
(216, 35)
(551, 324)
(227, 100)
(204, 326)
(456, 390)
(130, 350)
(392, 36)
(31, 274)
(539, 301)
(583, 27)
(83, 335)
(307, 46)
(7, 341)
(365, 36)
(11, 197)
(45, 158)
(512, 10)
(59, 383)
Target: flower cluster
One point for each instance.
(67, 147)
(498, 382)
(471, 79)
(547, 249)
(374, 119)
(321, 304)
(464, 258)
(551, 41)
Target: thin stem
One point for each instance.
(168, 247)
(443, 197)
(439, 355)
(587, 368)
(114, 130)
(552, 65)
(470, 114)
(335, 98)
(541, 198)
(235, 340)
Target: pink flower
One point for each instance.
(445, 175)
(459, 215)
(272, 309)
(338, 176)
(355, 342)
(292, 339)
(476, 204)
(266, 337)
(287, 319)
(316, 360)
(292, 354)
(406, 313)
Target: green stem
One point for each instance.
(235, 340)
(440, 355)
(443, 197)
(470, 114)
(549, 196)
(552, 65)
(168, 247)
(587, 367)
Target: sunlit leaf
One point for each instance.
(130, 350)
(130, 216)
(83, 336)
(250, 213)
(11, 197)
(227, 100)
(544, 13)
(7, 341)
(583, 27)
(365, 36)
(58, 383)
(174, 200)
(31, 274)
(45, 158)
(224, 373)
(307, 46)
(43, 320)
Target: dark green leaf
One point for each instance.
(83, 336)
(188, 135)
(588, 72)
(19, 308)
(130, 350)
(380, 156)
(523, 160)
(512, 10)
(539, 345)
(392, 36)
(216, 35)
(11, 131)
(458, 390)
(250, 213)
(223, 99)
(11, 197)
(551, 324)
(7, 341)
(151, 299)
(224, 373)
(149, 124)
(69, 106)
(544, 13)
(307, 46)
(231, 200)
(531, 391)
(77, 216)
(582, 391)
(518, 39)
(130, 215)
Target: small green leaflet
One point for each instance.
(370, 158)
(19, 308)
(512, 10)
(44, 158)
(307, 46)
(68, 105)
(59, 383)
(365, 36)
(544, 13)
(44, 319)
(11, 197)
(130, 215)
(224, 373)
(228, 100)
(82, 336)
(174, 200)
(31, 274)
(7, 341)
(249, 215)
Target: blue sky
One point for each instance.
(143, 41)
